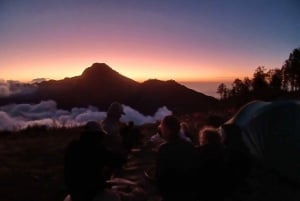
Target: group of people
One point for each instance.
(183, 171)
(210, 171)
(97, 156)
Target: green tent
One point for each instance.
(271, 131)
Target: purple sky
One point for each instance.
(164, 39)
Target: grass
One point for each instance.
(31, 164)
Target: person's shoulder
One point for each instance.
(107, 195)
(164, 147)
(104, 122)
(72, 152)
(184, 147)
(184, 144)
(175, 145)
(73, 145)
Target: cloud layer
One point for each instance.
(10, 87)
(19, 116)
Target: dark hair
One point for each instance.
(209, 135)
(173, 124)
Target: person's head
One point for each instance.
(209, 135)
(169, 127)
(115, 111)
(92, 132)
(92, 126)
(184, 126)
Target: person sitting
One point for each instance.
(86, 165)
(112, 126)
(156, 140)
(237, 158)
(176, 164)
(184, 132)
(131, 136)
(211, 163)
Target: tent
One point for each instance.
(271, 132)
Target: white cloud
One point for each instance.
(19, 116)
(9, 123)
(11, 87)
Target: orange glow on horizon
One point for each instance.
(137, 72)
(138, 59)
(142, 41)
(161, 62)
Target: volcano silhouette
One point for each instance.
(100, 85)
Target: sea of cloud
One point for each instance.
(11, 87)
(20, 116)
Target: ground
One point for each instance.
(31, 169)
(31, 164)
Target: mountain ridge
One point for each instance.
(99, 85)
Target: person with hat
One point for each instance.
(113, 140)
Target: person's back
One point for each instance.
(83, 165)
(176, 165)
(86, 160)
(176, 169)
(112, 126)
(211, 165)
(211, 172)
(113, 140)
(131, 136)
(237, 157)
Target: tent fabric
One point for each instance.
(271, 132)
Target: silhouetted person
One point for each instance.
(184, 132)
(131, 136)
(237, 158)
(112, 125)
(211, 163)
(176, 164)
(86, 164)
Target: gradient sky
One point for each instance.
(165, 39)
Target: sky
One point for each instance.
(184, 40)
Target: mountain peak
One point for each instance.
(98, 69)
(100, 65)
(103, 72)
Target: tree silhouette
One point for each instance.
(223, 91)
(291, 71)
(247, 84)
(259, 82)
(266, 84)
(240, 88)
(275, 79)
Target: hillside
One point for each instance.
(177, 97)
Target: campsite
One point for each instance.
(138, 100)
(32, 159)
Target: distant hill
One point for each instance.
(99, 85)
(177, 97)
